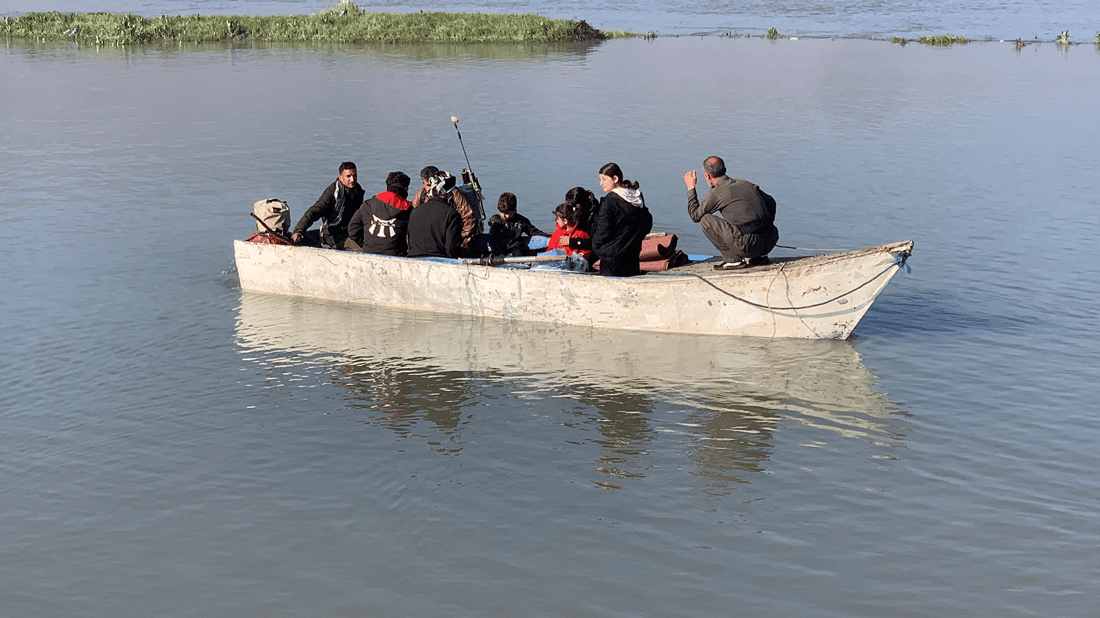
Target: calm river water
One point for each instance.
(171, 446)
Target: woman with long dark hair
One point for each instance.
(621, 224)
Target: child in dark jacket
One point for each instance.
(509, 232)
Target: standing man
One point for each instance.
(335, 208)
(746, 232)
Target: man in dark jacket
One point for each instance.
(335, 208)
(471, 224)
(381, 224)
(746, 232)
(435, 229)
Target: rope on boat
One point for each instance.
(899, 262)
(814, 250)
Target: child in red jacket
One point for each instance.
(566, 219)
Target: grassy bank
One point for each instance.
(345, 23)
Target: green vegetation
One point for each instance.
(943, 39)
(344, 23)
(948, 39)
(772, 34)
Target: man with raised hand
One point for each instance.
(745, 232)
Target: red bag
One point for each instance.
(266, 238)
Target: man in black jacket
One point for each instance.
(335, 208)
(471, 223)
(381, 223)
(435, 229)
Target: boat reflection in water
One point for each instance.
(427, 376)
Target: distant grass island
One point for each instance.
(346, 23)
(343, 23)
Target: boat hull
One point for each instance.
(819, 297)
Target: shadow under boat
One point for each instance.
(724, 398)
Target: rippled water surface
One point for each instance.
(172, 446)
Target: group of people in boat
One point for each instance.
(444, 219)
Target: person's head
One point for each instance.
(440, 184)
(579, 196)
(427, 173)
(714, 167)
(507, 205)
(565, 215)
(611, 177)
(398, 182)
(347, 174)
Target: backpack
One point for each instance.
(273, 212)
(272, 222)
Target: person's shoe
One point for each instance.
(759, 261)
(731, 265)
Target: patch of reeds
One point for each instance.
(943, 39)
(344, 23)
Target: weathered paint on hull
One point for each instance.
(821, 297)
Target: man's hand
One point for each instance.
(689, 179)
(295, 237)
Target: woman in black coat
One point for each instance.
(621, 224)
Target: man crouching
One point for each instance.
(746, 232)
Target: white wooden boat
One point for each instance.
(817, 297)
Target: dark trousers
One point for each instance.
(329, 238)
(732, 244)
